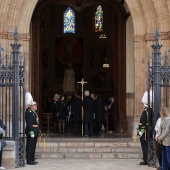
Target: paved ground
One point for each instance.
(87, 164)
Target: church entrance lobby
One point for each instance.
(86, 48)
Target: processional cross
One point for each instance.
(82, 82)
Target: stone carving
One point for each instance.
(9, 36)
(149, 36)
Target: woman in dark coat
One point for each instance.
(77, 111)
(55, 110)
(63, 113)
(88, 104)
(99, 113)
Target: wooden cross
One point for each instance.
(82, 82)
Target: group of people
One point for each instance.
(92, 106)
(162, 131)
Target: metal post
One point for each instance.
(82, 82)
(15, 47)
(156, 80)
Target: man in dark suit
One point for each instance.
(77, 111)
(88, 105)
(31, 131)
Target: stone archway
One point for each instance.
(146, 15)
(119, 57)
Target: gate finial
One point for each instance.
(156, 35)
(1, 49)
(165, 58)
(15, 34)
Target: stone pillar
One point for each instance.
(140, 61)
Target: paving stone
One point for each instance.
(76, 155)
(87, 164)
(49, 155)
(120, 156)
(65, 149)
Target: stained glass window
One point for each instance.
(99, 19)
(69, 21)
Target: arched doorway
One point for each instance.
(114, 79)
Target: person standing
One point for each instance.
(158, 145)
(111, 115)
(55, 110)
(99, 113)
(32, 129)
(63, 113)
(143, 126)
(48, 105)
(77, 112)
(164, 137)
(88, 105)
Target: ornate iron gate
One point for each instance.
(12, 90)
(158, 82)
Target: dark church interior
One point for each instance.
(86, 50)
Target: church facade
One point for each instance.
(129, 29)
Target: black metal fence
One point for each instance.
(159, 83)
(12, 90)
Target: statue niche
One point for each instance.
(69, 79)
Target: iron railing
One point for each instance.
(158, 82)
(12, 90)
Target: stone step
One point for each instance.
(82, 144)
(88, 149)
(88, 155)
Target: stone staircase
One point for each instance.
(88, 148)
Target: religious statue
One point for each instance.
(69, 79)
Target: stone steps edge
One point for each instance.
(88, 156)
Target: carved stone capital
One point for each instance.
(138, 38)
(26, 36)
(149, 36)
(3, 35)
(9, 36)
